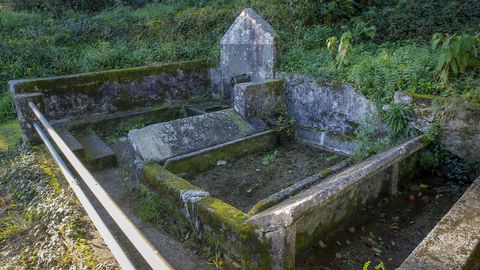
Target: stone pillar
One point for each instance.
(248, 48)
(25, 115)
(282, 248)
(260, 99)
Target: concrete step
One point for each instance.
(98, 155)
(72, 143)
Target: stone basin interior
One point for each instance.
(247, 179)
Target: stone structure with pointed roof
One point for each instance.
(248, 48)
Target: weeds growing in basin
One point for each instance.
(379, 266)
(268, 159)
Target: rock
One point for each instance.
(426, 199)
(322, 244)
(221, 163)
(325, 113)
(401, 97)
(395, 219)
(122, 139)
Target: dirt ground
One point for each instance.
(251, 178)
(386, 233)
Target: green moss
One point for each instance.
(224, 219)
(326, 171)
(262, 205)
(120, 123)
(166, 182)
(254, 251)
(88, 80)
(49, 172)
(195, 164)
(10, 135)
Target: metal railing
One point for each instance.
(144, 247)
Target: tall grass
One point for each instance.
(39, 43)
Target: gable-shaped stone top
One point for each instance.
(249, 28)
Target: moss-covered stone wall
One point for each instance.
(118, 90)
(212, 218)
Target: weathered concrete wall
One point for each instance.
(260, 99)
(158, 142)
(113, 91)
(248, 47)
(459, 123)
(325, 114)
(454, 243)
(211, 218)
(301, 220)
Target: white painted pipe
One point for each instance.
(107, 236)
(144, 247)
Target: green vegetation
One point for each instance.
(268, 159)
(40, 225)
(10, 135)
(388, 49)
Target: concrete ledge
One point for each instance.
(297, 187)
(454, 243)
(204, 159)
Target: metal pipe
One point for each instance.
(144, 247)
(107, 236)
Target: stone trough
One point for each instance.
(185, 120)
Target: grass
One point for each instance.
(39, 44)
(10, 135)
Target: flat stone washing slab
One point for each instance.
(159, 142)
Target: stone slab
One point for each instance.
(325, 139)
(98, 155)
(158, 142)
(454, 243)
(72, 143)
(459, 122)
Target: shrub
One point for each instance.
(457, 53)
